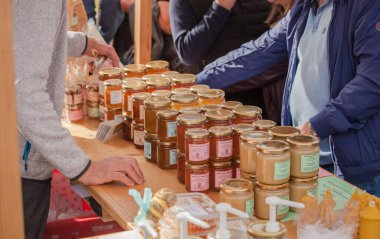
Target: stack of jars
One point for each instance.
(73, 102)
(92, 97)
(138, 116)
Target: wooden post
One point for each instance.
(143, 31)
(11, 216)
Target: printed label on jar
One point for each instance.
(115, 97)
(221, 176)
(282, 170)
(171, 129)
(238, 173)
(312, 192)
(281, 209)
(138, 137)
(142, 112)
(75, 115)
(147, 150)
(101, 88)
(309, 163)
(130, 103)
(199, 182)
(173, 156)
(199, 152)
(249, 206)
(93, 96)
(118, 117)
(224, 149)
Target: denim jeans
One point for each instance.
(372, 186)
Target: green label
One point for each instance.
(281, 209)
(309, 163)
(282, 170)
(173, 156)
(249, 205)
(147, 150)
(312, 192)
(171, 129)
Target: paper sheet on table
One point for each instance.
(134, 234)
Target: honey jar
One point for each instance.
(211, 107)
(197, 147)
(107, 74)
(169, 74)
(113, 94)
(219, 118)
(230, 105)
(157, 67)
(92, 92)
(304, 156)
(162, 93)
(130, 87)
(181, 91)
(74, 112)
(219, 172)
(237, 130)
(190, 110)
(220, 143)
(148, 77)
(247, 114)
(183, 80)
(197, 178)
(151, 106)
(127, 128)
(239, 194)
(167, 125)
(92, 109)
(262, 191)
(180, 101)
(236, 168)
(283, 132)
(73, 94)
(167, 155)
(113, 114)
(249, 177)
(150, 147)
(134, 70)
(138, 111)
(138, 134)
(188, 121)
(273, 162)
(211, 96)
(264, 125)
(181, 166)
(102, 109)
(299, 187)
(248, 151)
(158, 84)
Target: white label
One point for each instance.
(224, 149)
(138, 137)
(115, 97)
(147, 150)
(171, 129)
(142, 112)
(173, 156)
(199, 152)
(118, 117)
(101, 88)
(199, 182)
(220, 176)
(130, 103)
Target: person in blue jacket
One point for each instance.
(333, 84)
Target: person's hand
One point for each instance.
(227, 4)
(101, 49)
(306, 129)
(122, 169)
(163, 18)
(125, 4)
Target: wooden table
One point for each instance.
(113, 197)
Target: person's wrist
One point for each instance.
(310, 129)
(91, 46)
(223, 5)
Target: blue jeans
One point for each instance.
(372, 187)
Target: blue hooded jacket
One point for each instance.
(352, 117)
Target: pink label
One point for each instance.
(75, 115)
(199, 182)
(138, 137)
(224, 149)
(115, 97)
(220, 176)
(93, 96)
(199, 152)
(238, 173)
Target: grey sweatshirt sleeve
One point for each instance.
(76, 43)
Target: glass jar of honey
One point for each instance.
(113, 94)
(190, 110)
(264, 125)
(230, 105)
(158, 84)
(219, 172)
(102, 109)
(249, 177)
(188, 121)
(127, 128)
(237, 130)
(197, 147)
(176, 91)
(219, 118)
(183, 80)
(180, 101)
(107, 74)
(92, 92)
(151, 106)
(211, 96)
(262, 191)
(134, 70)
(73, 94)
(92, 110)
(150, 147)
(197, 178)
(130, 87)
(211, 107)
(304, 156)
(167, 125)
(220, 143)
(248, 151)
(236, 167)
(138, 134)
(167, 155)
(157, 67)
(162, 93)
(247, 114)
(169, 74)
(283, 132)
(299, 187)
(113, 114)
(138, 111)
(148, 77)
(239, 194)
(273, 162)
(196, 88)
(181, 166)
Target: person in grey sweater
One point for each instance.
(41, 44)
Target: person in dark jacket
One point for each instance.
(333, 83)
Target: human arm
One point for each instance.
(163, 18)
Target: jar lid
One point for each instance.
(254, 137)
(156, 101)
(241, 128)
(190, 110)
(157, 64)
(248, 176)
(153, 137)
(303, 180)
(110, 72)
(303, 140)
(247, 111)
(219, 115)
(162, 93)
(184, 79)
(150, 77)
(112, 82)
(220, 164)
(169, 74)
(168, 143)
(236, 161)
(273, 147)
(196, 133)
(167, 113)
(211, 93)
(196, 88)
(257, 230)
(184, 98)
(190, 119)
(132, 84)
(220, 130)
(140, 95)
(112, 109)
(73, 88)
(272, 187)
(137, 68)
(211, 107)
(159, 82)
(230, 105)
(180, 154)
(264, 124)
(284, 131)
(197, 166)
(181, 91)
(236, 186)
